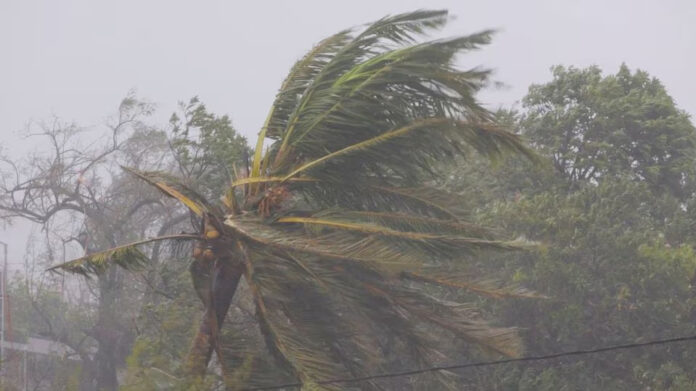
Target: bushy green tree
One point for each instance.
(612, 213)
(593, 126)
(611, 277)
(206, 147)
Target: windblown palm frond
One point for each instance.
(173, 187)
(127, 256)
(341, 220)
(340, 234)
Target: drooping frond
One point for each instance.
(173, 187)
(461, 319)
(435, 242)
(414, 223)
(307, 270)
(487, 287)
(249, 365)
(323, 324)
(370, 195)
(304, 356)
(127, 256)
(333, 245)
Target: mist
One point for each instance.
(549, 187)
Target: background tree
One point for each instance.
(79, 195)
(65, 191)
(616, 255)
(625, 124)
(206, 148)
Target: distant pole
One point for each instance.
(2, 312)
(26, 381)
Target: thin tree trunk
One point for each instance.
(108, 333)
(220, 280)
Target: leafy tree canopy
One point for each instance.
(625, 124)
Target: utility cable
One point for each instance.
(486, 363)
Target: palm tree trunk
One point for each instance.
(216, 284)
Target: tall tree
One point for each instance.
(335, 229)
(616, 125)
(77, 195)
(616, 255)
(206, 147)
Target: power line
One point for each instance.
(486, 363)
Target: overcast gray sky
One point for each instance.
(77, 59)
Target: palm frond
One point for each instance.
(297, 81)
(463, 244)
(399, 29)
(389, 68)
(462, 320)
(411, 222)
(302, 355)
(369, 196)
(333, 245)
(173, 187)
(293, 86)
(127, 256)
(366, 144)
(386, 96)
(383, 305)
(266, 180)
(488, 287)
(248, 364)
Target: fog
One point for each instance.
(76, 60)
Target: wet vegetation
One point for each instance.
(385, 220)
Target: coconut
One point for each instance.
(212, 233)
(197, 252)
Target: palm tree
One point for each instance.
(336, 227)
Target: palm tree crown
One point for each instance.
(335, 226)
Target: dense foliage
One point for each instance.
(613, 214)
